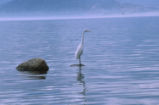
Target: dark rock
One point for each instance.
(36, 65)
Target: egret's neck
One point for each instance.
(82, 38)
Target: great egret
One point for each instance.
(80, 47)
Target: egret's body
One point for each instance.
(80, 47)
(79, 51)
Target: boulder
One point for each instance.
(34, 65)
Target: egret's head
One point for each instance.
(87, 31)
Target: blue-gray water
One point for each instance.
(121, 57)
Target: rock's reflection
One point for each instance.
(38, 77)
(34, 75)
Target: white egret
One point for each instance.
(80, 47)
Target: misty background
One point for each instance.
(70, 8)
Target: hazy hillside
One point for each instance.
(145, 3)
(57, 6)
(67, 7)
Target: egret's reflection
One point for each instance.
(80, 79)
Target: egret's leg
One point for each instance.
(80, 61)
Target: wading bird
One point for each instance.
(80, 47)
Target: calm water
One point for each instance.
(121, 57)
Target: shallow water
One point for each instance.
(120, 54)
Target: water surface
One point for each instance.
(120, 54)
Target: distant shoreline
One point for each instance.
(75, 17)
